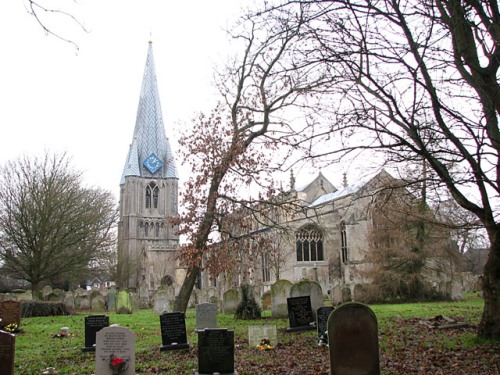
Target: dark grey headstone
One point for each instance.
(173, 331)
(93, 324)
(322, 315)
(215, 351)
(300, 314)
(353, 340)
(7, 351)
(10, 312)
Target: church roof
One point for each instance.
(149, 133)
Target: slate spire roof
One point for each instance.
(149, 133)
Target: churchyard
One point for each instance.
(424, 338)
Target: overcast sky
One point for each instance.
(53, 97)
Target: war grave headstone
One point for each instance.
(124, 302)
(280, 291)
(257, 333)
(206, 316)
(10, 312)
(115, 351)
(300, 314)
(353, 340)
(173, 331)
(7, 351)
(322, 315)
(93, 324)
(216, 351)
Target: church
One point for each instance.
(327, 240)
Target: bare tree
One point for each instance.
(416, 80)
(50, 224)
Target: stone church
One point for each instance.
(147, 242)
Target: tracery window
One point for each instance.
(343, 242)
(152, 195)
(309, 244)
(266, 270)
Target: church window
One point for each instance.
(157, 230)
(266, 272)
(146, 229)
(309, 244)
(167, 281)
(343, 242)
(152, 195)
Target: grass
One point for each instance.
(36, 350)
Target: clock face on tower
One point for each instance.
(152, 163)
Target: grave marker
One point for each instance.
(116, 343)
(300, 314)
(10, 312)
(322, 315)
(257, 333)
(353, 340)
(7, 351)
(93, 324)
(206, 316)
(216, 351)
(173, 331)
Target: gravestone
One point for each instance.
(336, 295)
(111, 300)
(280, 291)
(69, 300)
(230, 301)
(206, 316)
(322, 315)
(216, 351)
(93, 324)
(353, 340)
(257, 333)
(161, 302)
(266, 300)
(7, 351)
(300, 314)
(173, 331)
(124, 302)
(115, 342)
(10, 312)
(84, 303)
(98, 304)
(311, 289)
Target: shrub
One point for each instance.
(31, 309)
(248, 308)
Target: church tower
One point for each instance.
(147, 241)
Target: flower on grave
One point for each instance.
(118, 365)
(265, 344)
(323, 339)
(12, 328)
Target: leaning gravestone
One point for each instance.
(311, 289)
(173, 331)
(322, 315)
(353, 340)
(124, 302)
(300, 314)
(216, 351)
(257, 333)
(115, 346)
(280, 291)
(206, 316)
(7, 351)
(93, 324)
(230, 301)
(10, 312)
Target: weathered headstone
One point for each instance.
(7, 351)
(124, 302)
(257, 333)
(280, 291)
(115, 345)
(93, 324)
(266, 300)
(10, 312)
(98, 304)
(230, 301)
(300, 314)
(111, 300)
(311, 289)
(353, 340)
(161, 302)
(206, 316)
(322, 315)
(216, 351)
(336, 295)
(173, 331)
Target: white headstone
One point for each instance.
(115, 345)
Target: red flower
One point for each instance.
(116, 362)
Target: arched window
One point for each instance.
(343, 242)
(167, 281)
(146, 229)
(309, 245)
(152, 195)
(157, 230)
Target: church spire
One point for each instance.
(150, 154)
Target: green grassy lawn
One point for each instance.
(400, 335)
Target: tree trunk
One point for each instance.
(182, 300)
(36, 294)
(489, 327)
